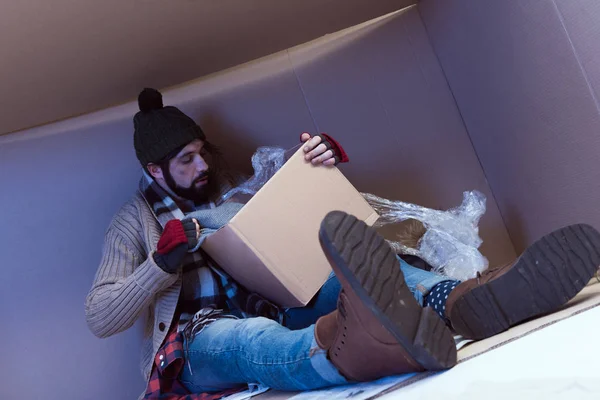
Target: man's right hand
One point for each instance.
(176, 239)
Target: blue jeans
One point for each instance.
(230, 353)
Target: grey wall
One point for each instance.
(383, 92)
(525, 75)
(378, 89)
(58, 194)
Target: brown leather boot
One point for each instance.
(379, 328)
(546, 276)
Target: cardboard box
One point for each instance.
(272, 246)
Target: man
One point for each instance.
(376, 316)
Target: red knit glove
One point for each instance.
(340, 154)
(173, 235)
(174, 244)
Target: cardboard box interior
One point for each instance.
(446, 96)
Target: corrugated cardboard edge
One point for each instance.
(372, 218)
(587, 299)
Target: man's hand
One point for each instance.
(322, 149)
(192, 231)
(177, 238)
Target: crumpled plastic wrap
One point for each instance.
(266, 161)
(451, 241)
(450, 244)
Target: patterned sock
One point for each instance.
(438, 296)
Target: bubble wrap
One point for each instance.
(451, 242)
(266, 161)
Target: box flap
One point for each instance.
(246, 266)
(281, 222)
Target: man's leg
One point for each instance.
(378, 328)
(419, 282)
(547, 275)
(230, 353)
(324, 302)
(430, 289)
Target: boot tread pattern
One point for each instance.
(372, 269)
(546, 276)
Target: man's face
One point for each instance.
(188, 174)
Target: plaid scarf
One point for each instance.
(212, 287)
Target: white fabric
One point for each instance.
(557, 362)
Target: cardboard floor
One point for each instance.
(396, 387)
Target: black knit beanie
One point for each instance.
(158, 130)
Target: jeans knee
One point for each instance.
(253, 330)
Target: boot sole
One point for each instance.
(546, 276)
(363, 259)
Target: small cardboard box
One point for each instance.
(271, 246)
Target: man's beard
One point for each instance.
(199, 195)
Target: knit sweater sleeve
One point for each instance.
(125, 284)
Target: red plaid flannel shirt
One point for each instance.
(168, 363)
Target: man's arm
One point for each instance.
(125, 284)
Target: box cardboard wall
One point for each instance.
(379, 89)
(267, 102)
(526, 79)
(397, 119)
